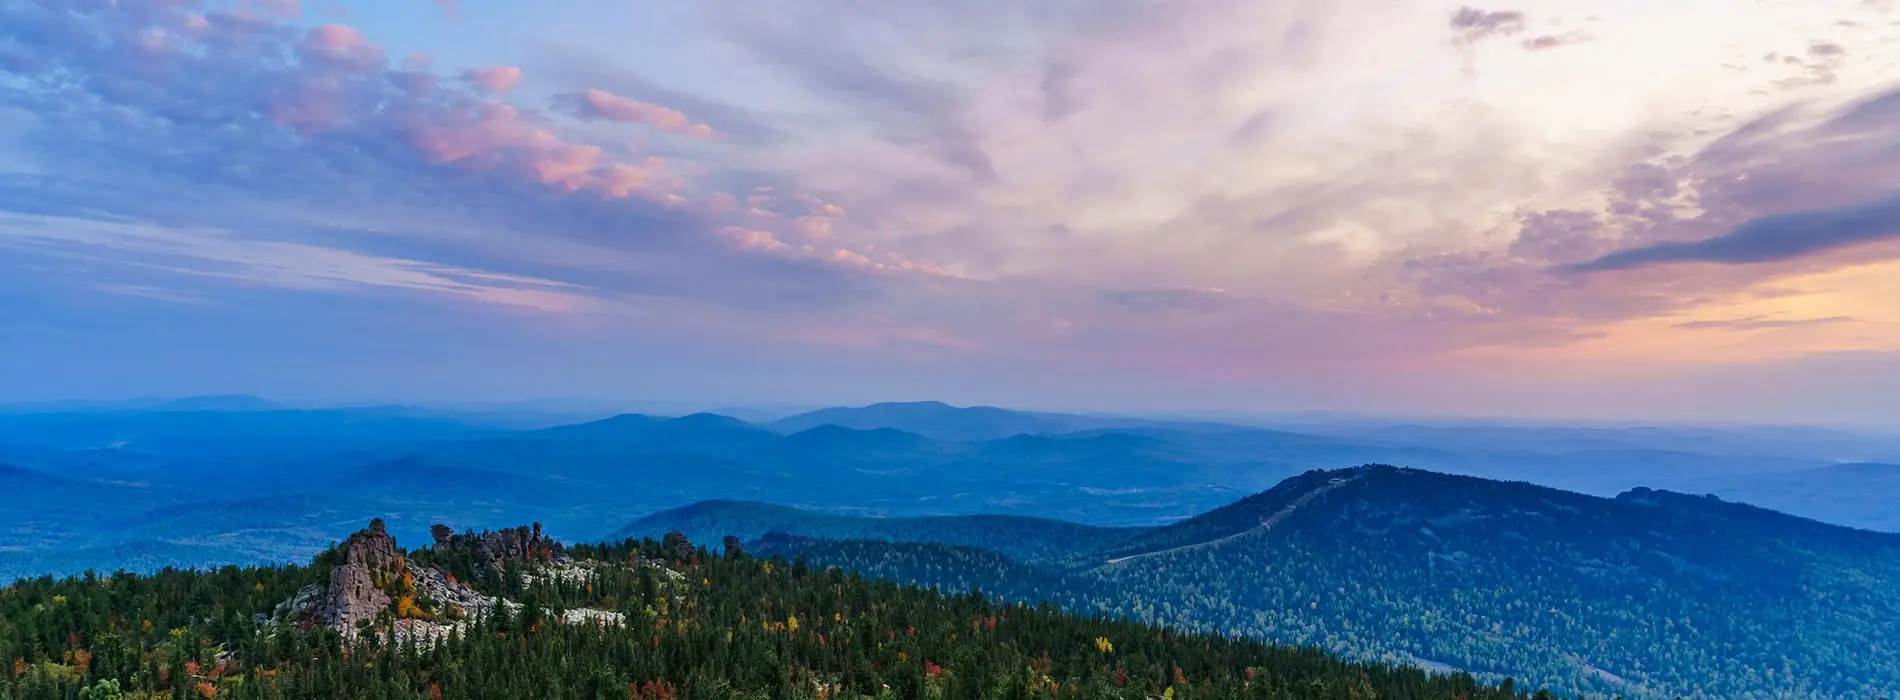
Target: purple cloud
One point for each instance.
(1772, 193)
(1774, 238)
(1473, 25)
(1547, 42)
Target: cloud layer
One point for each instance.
(1220, 191)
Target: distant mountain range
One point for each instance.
(1649, 594)
(1862, 494)
(897, 459)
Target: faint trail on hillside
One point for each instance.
(1265, 524)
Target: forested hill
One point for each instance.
(1019, 537)
(511, 615)
(1650, 594)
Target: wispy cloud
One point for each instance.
(225, 255)
(600, 104)
(1775, 238)
(1753, 323)
(1203, 300)
(1546, 42)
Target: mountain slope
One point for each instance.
(1559, 586)
(1638, 595)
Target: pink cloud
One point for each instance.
(496, 78)
(847, 257)
(569, 166)
(601, 104)
(816, 226)
(472, 132)
(622, 180)
(722, 203)
(310, 104)
(752, 239)
(340, 47)
(490, 134)
(341, 84)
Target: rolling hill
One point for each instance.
(1636, 595)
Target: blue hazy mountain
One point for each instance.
(1866, 494)
(932, 419)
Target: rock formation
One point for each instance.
(357, 591)
(676, 545)
(371, 577)
(496, 549)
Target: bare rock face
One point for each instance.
(356, 594)
(351, 599)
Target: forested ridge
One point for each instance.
(689, 624)
(1651, 594)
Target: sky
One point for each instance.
(1604, 209)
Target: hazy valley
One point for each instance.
(1572, 558)
(180, 485)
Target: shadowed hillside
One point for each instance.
(1636, 595)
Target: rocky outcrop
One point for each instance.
(358, 589)
(430, 603)
(496, 549)
(677, 546)
(357, 592)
